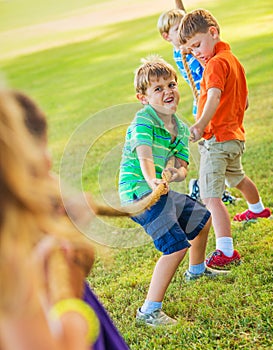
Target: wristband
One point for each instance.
(81, 307)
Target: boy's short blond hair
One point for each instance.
(152, 66)
(194, 22)
(168, 19)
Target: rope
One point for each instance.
(161, 188)
(180, 6)
(190, 77)
(151, 199)
(137, 207)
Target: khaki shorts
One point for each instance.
(220, 164)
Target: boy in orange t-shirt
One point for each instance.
(222, 102)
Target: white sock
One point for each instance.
(225, 244)
(257, 207)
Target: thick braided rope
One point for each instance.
(190, 77)
(179, 4)
(141, 205)
(161, 188)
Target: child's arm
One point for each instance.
(213, 100)
(145, 157)
(179, 5)
(179, 171)
(247, 103)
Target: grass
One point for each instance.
(87, 87)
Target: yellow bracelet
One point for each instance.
(85, 310)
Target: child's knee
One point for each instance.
(179, 255)
(206, 228)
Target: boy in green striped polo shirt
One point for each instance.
(155, 135)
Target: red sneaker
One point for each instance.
(218, 260)
(249, 215)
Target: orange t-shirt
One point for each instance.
(225, 72)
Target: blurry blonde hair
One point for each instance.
(26, 208)
(168, 19)
(154, 66)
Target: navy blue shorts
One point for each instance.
(173, 221)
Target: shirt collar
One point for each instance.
(221, 46)
(150, 110)
(180, 127)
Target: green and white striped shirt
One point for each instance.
(148, 129)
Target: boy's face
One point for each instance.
(202, 44)
(162, 94)
(172, 36)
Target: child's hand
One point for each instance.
(184, 50)
(173, 171)
(79, 208)
(177, 174)
(153, 183)
(196, 133)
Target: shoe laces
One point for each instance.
(247, 214)
(212, 255)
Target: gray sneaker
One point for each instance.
(154, 319)
(207, 273)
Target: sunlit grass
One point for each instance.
(89, 79)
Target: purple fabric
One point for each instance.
(109, 337)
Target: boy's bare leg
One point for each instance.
(197, 250)
(249, 190)
(220, 217)
(163, 273)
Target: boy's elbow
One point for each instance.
(247, 104)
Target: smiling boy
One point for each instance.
(222, 103)
(154, 136)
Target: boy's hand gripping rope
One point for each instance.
(161, 188)
(139, 206)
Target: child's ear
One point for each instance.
(214, 32)
(142, 98)
(165, 36)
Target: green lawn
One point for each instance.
(88, 87)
